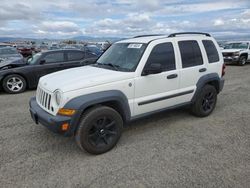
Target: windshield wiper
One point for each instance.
(116, 67)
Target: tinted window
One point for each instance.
(164, 55)
(211, 51)
(123, 56)
(54, 57)
(74, 56)
(190, 53)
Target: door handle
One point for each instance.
(203, 70)
(171, 76)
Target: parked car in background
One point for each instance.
(93, 49)
(10, 55)
(42, 47)
(237, 52)
(2, 45)
(104, 45)
(25, 50)
(9, 52)
(17, 78)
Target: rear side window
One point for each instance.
(74, 56)
(190, 53)
(212, 53)
(54, 57)
(164, 55)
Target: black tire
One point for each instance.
(205, 102)
(242, 60)
(14, 84)
(99, 130)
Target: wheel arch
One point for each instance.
(2, 77)
(210, 79)
(245, 55)
(114, 99)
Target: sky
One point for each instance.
(58, 19)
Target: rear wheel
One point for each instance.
(14, 84)
(99, 130)
(205, 102)
(242, 61)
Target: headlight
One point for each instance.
(58, 97)
(236, 53)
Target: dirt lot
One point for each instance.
(170, 149)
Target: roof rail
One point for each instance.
(147, 35)
(189, 33)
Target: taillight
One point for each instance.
(223, 69)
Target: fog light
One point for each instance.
(66, 112)
(65, 127)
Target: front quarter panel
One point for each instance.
(81, 103)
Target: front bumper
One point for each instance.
(53, 123)
(221, 86)
(231, 59)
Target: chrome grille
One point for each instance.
(227, 54)
(44, 99)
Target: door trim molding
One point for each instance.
(165, 97)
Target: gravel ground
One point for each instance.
(170, 149)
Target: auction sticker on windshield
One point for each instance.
(134, 45)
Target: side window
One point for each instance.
(74, 56)
(190, 53)
(164, 55)
(54, 57)
(212, 53)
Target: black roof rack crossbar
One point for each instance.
(189, 33)
(147, 35)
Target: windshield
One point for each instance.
(240, 45)
(122, 56)
(8, 51)
(34, 58)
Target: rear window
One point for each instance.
(74, 56)
(190, 53)
(212, 53)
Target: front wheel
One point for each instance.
(99, 130)
(242, 60)
(205, 102)
(14, 84)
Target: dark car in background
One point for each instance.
(17, 78)
(10, 54)
(93, 49)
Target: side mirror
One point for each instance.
(42, 62)
(153, 68)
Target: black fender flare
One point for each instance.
(244, 54)
(81, 103)
(212, 77)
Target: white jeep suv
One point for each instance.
(237, 52)
(132, 79)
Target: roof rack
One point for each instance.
(189, 33)
(147, 35)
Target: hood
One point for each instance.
(81, 77)
(11, 61)
(231, 50)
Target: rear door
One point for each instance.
(192, 67)
(73, 59)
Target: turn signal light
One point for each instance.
(65, 127)
(66, 112)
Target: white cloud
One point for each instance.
(66, 18)
(218, 22)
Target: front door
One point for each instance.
(157, 91)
